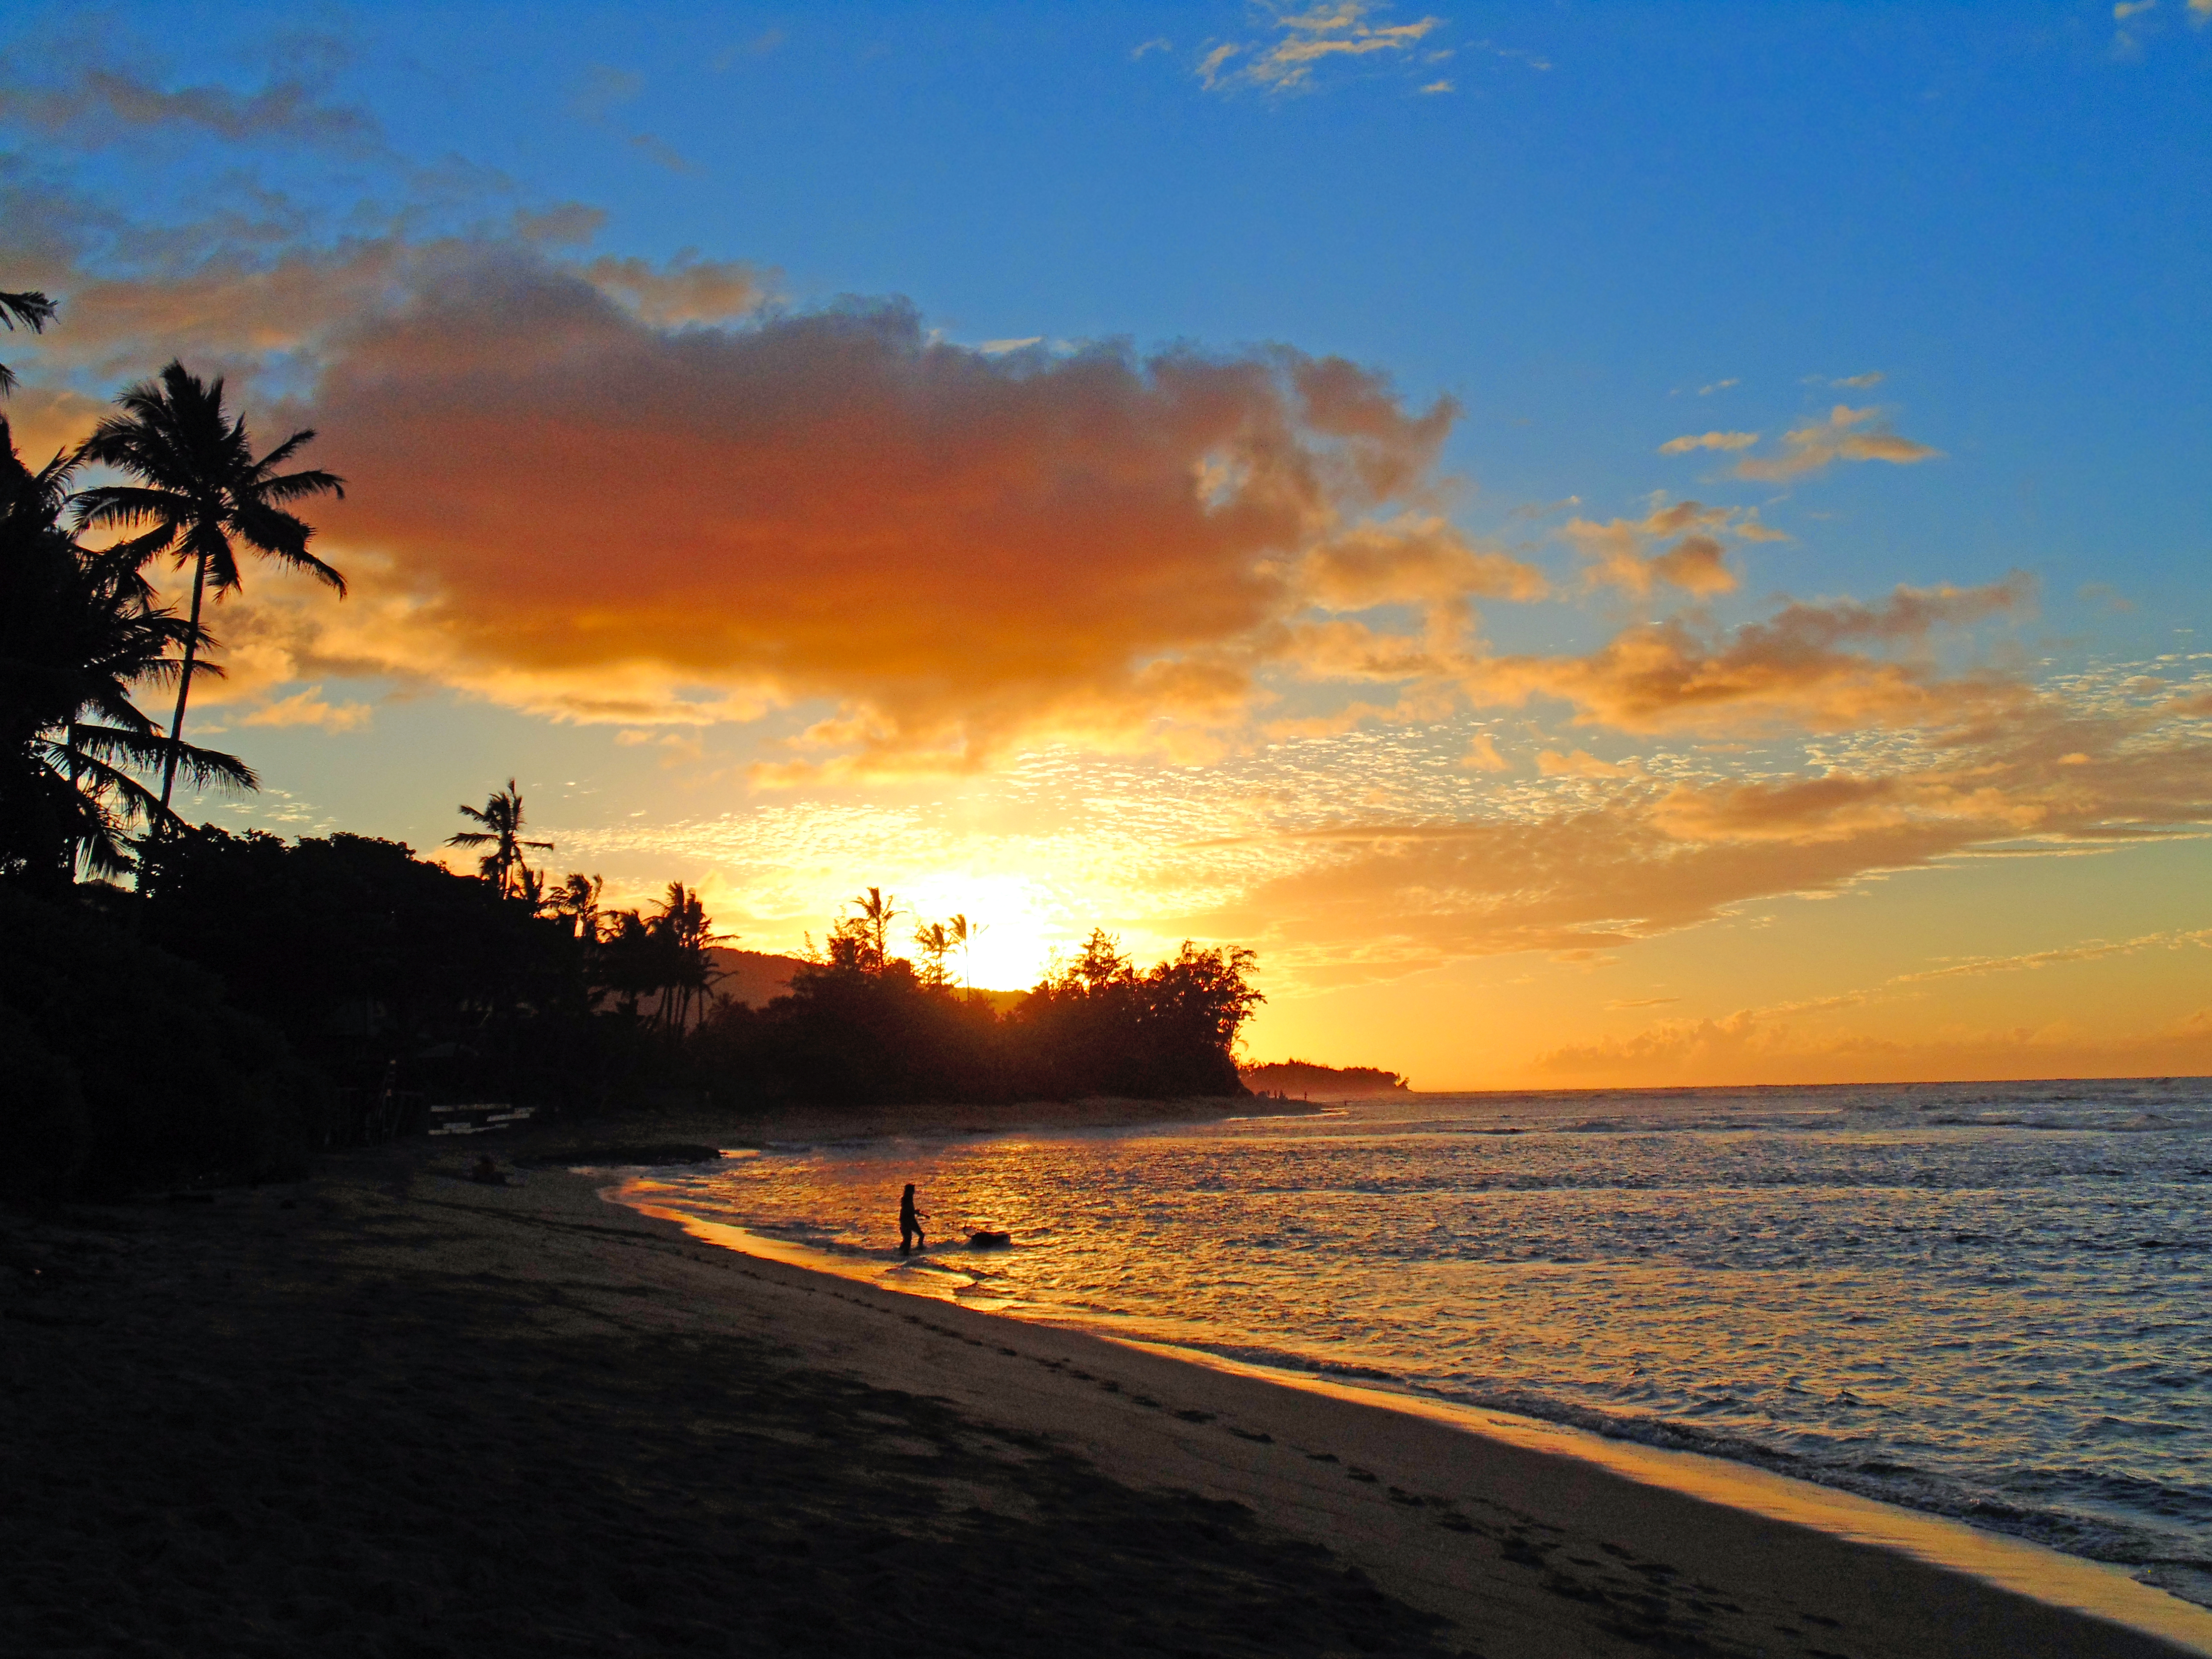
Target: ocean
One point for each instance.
(1983, 1300)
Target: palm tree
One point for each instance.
(501, 817)
(78, 630)
(668, 955)
(964, 935)
(936, 944)
(31, 309)
(876, 908)
(684, 930)
(576, 901)
(202, 492)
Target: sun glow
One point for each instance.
(1022, 922)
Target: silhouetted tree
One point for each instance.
(685, 932)
(935, 943)
(202, 492)
(576, 901)
(501, 817)
(1097, 1025)
(876, 910)
(964, 935)
(33, 311)
(851, 1032)
(668, 955)
(78, 631)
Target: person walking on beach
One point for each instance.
(910, 1220)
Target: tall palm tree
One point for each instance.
(686, 932)
(877, 908)
(33, 311)
(501, 817)
(202, 492)
(576, 901)
(935, 943)
(964, 933)
(78, 630)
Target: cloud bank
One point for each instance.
(565, 490)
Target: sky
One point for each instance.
(1613, 545)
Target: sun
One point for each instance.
(1022, 922)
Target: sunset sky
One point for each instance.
(1614, 544)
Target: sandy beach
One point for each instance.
(391, 1412)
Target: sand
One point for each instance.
(391, 1411)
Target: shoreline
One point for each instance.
(389, 1409)
(2016, 1567)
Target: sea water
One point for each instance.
(1985, 1301)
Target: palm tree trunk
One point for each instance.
(183, 691)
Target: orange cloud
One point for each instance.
(1696, 563)
(1482, 755)
(1777, 1043)
(555, 502)
(1798, 670)
(1846, 434)
(1416, 558)
(1731, 440)
(1779, 1046)
(235, 307)
(308, 707)
(1581, 764)
(1589, 856)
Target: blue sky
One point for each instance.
(1978, 232)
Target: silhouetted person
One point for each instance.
(910, 1220)
(489, 1173)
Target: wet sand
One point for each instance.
(390, 1411)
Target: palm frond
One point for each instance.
(28, 306)
(126, 506)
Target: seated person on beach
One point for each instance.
(910, 1220)
(487, 1172)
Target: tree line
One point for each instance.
(178, 1000)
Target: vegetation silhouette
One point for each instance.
(858, 1029)
(501, 818)
(31, 309)
(964, 935)
(247, 998)
(667, 956)
(79, 633)
(1306, 1076)
(200, 492)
